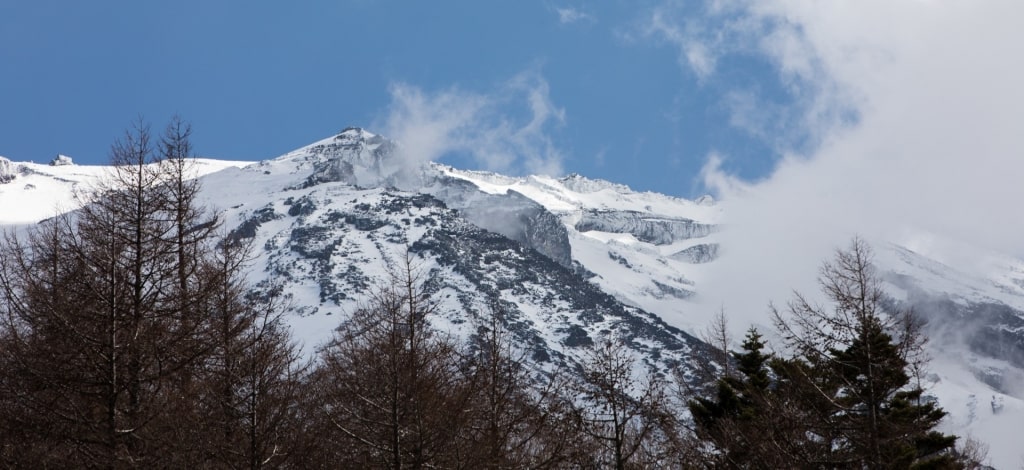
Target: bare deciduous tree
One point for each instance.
(625, 416)
(519, 419)
(107, 316)
(390, 387)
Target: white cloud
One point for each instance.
(933, 157)
(936, 150)
(488, 127)
(695, 54)
(703, 33)
(569, 15)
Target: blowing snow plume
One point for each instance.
(505, 130)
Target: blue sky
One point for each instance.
(899, 120)
(257, 79)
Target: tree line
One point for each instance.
(130, 338)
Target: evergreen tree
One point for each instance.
(889, 424)
(851, 373)
(732, 420)
(842, 398)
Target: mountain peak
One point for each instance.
(61, 160)
(356, 157)
(582, 184)
(356, 134)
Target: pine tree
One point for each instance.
(851, 373)
(732, 420)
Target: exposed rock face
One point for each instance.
(583, 184)
(656, 230)
(989, 330)
(524, 221)
(698, 254)
(705, 200)
(7, 173)
(328, 220)
(512, 215)
(361, 159)
(61, 160)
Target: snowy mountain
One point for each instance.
(568, 260)
(30, 192)
(329, 219)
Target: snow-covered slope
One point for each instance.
(329, 220)
(645, 248)
(30, 192)
(976, 330)
(569, 260)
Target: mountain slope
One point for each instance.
(326, 239)
(566, 260)
(30, 192)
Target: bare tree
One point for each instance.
(390, 387)
(193, 228)
(626, 417)
(519, 419)
(96, 329)
(242, 406)
(107, 323)
(717, 335)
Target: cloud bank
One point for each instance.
(915, 112)
(505, 130)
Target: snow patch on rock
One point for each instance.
(61, 160)
(7, 173)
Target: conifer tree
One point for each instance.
(843, 397)
(733, 420)
(852, 370)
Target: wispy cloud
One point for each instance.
(569, 15)
(506, 129)
(695, 54)
(704, 33)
